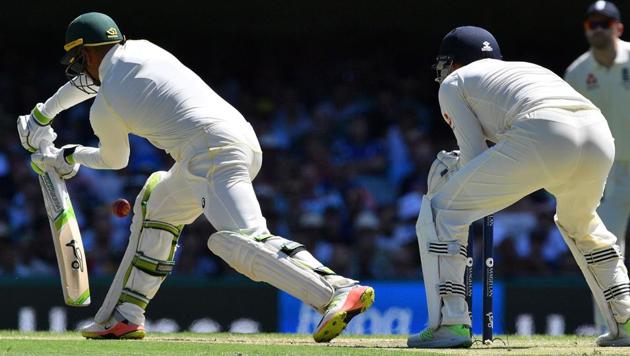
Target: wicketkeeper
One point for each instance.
(547, 136)
(140, 88)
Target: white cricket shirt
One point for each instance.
(148, 92)
(482, 100)
(609, 89)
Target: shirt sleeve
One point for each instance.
(461, 119)
(66, 97)
(113, 150)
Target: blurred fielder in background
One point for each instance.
(547, 136)
(603, 75)
(144, 90)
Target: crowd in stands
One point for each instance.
(346, 155)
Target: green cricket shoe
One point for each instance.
(620, 339)
(446, 336)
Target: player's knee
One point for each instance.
(142, 199)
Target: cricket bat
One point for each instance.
(66, 237)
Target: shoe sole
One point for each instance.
(614, 343)
(133, 335)
(338, 323)
(440, 344)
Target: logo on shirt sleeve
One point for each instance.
(448, 120)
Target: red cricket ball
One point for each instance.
(121, 207)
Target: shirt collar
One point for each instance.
(622, 53)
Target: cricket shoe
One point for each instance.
(342, 308)
(621, 339)
(446, 336)
(113, 329)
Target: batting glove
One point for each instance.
(444, 166)
(58, 158)
(35, 129)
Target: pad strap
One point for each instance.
(450, 288)
(129, 296)
(291, 248)
(160, 225)
(617, 291)
(448, 248)
(602, 255)
(152, 266)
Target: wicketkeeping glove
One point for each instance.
(58, 158)
(35, 129)
(444, 166)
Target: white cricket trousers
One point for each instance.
(214, 177)
(567, 153)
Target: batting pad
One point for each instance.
(131, 254)
(267, 262)
(443, 267)
(607, 277)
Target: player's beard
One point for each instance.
(600, 40)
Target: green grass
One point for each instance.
(183, 344)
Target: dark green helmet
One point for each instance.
(90, 29)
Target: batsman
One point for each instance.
(142, 89)
(547, 136)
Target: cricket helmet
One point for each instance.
(89, 29)
(464, 45)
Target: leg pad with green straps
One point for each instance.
(280, 262)
(149, 258)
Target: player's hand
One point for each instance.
(35, 129)
(450, 159)
(444, 166)
(58, 158)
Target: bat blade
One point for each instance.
(67, 240)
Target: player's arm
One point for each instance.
(462, 120)
(113, 134)
(66, 97)
(112, 153)
(35, 128)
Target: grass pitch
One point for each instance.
(71, 343)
